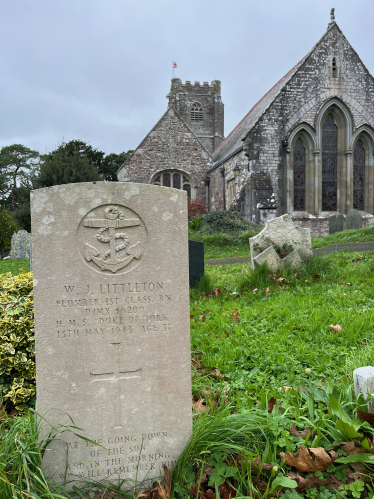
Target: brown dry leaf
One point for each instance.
(305, 462)
(259, 464)
(316, 276)
(97, 495)
(199, 407)
(218, 292)
(192, 317)
(145, 494)
(254, 291)
(165, 490)
(109, 494)
(226, 491)
(336, 328)
(271, 404)
(267, 291)
(235, 315)
(202, 317)
(366, 416)
(313, 482)
(87, 495)
(354, 447)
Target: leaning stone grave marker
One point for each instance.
(110, 265)
(353, 220)
(336, 223)
(20, 246)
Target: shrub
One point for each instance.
(8, 226)
(226, 221)
(196, 207)
(17, 342)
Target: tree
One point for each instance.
(111, 164)
(15, 161)
(71, 162)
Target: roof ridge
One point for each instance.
(258, 102)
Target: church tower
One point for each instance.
(201, 108)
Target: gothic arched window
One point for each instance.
(329, 164)
(299, 176)
(197, 113)
(359, 176)
(173, 179)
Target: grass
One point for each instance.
(346, 236)
(14, 266)
(282, 336)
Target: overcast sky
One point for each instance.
(99, 70)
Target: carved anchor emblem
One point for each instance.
(113, 220)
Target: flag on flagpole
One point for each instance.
(174, 64)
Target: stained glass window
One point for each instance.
(299, 176)
(329, 164)
(166, 180)
(176, 181)
(359, 176)
(187, 188)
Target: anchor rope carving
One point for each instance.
(114, 219)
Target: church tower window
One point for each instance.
(334, 68)
(329, 164)
(197, 113)
(175, 179)
(299, 176)
(358, 176)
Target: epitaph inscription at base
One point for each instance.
(112, 328)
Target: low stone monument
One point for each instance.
(353, 220)
(336, 223)
(281, 244)
(363, 379)
(112, 337)
(196, 261)
(20, 245)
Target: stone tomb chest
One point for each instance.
(112, 327)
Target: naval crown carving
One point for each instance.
(111, 249)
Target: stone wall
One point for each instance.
(170, 145)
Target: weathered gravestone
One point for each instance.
(112, 327)
(353, 220)
(196, 261)
(20, 246)
(336, 223)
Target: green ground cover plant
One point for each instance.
(273, 400)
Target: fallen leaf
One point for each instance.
(235, 315)
(199, 407)
(313, 482)
(366, 416)
(336, 328)
(202, 317)
(267, 291)
(254, 291)
(165, 490)
(226, 491)
(192, 316)
(316, 276)
(354, 447)
(271, 404)
(295, 433)
(305, 462)
(307, 370)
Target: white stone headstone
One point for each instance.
(110, 264)
(363, 379)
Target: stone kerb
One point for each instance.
(20, 246)
(281, 244)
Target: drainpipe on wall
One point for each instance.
(207, 180)
(223, 185)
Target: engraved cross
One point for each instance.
(115, 377)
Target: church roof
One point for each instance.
(233, 142)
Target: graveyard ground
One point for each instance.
(272, 362)
(225, 234)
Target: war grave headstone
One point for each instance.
(20, 246)
(196, 261)
(353, 220)
(336, 223)
(112, 334)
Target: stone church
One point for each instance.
(306, 148)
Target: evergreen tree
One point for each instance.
(111, 164)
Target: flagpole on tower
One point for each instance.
(174, 67)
